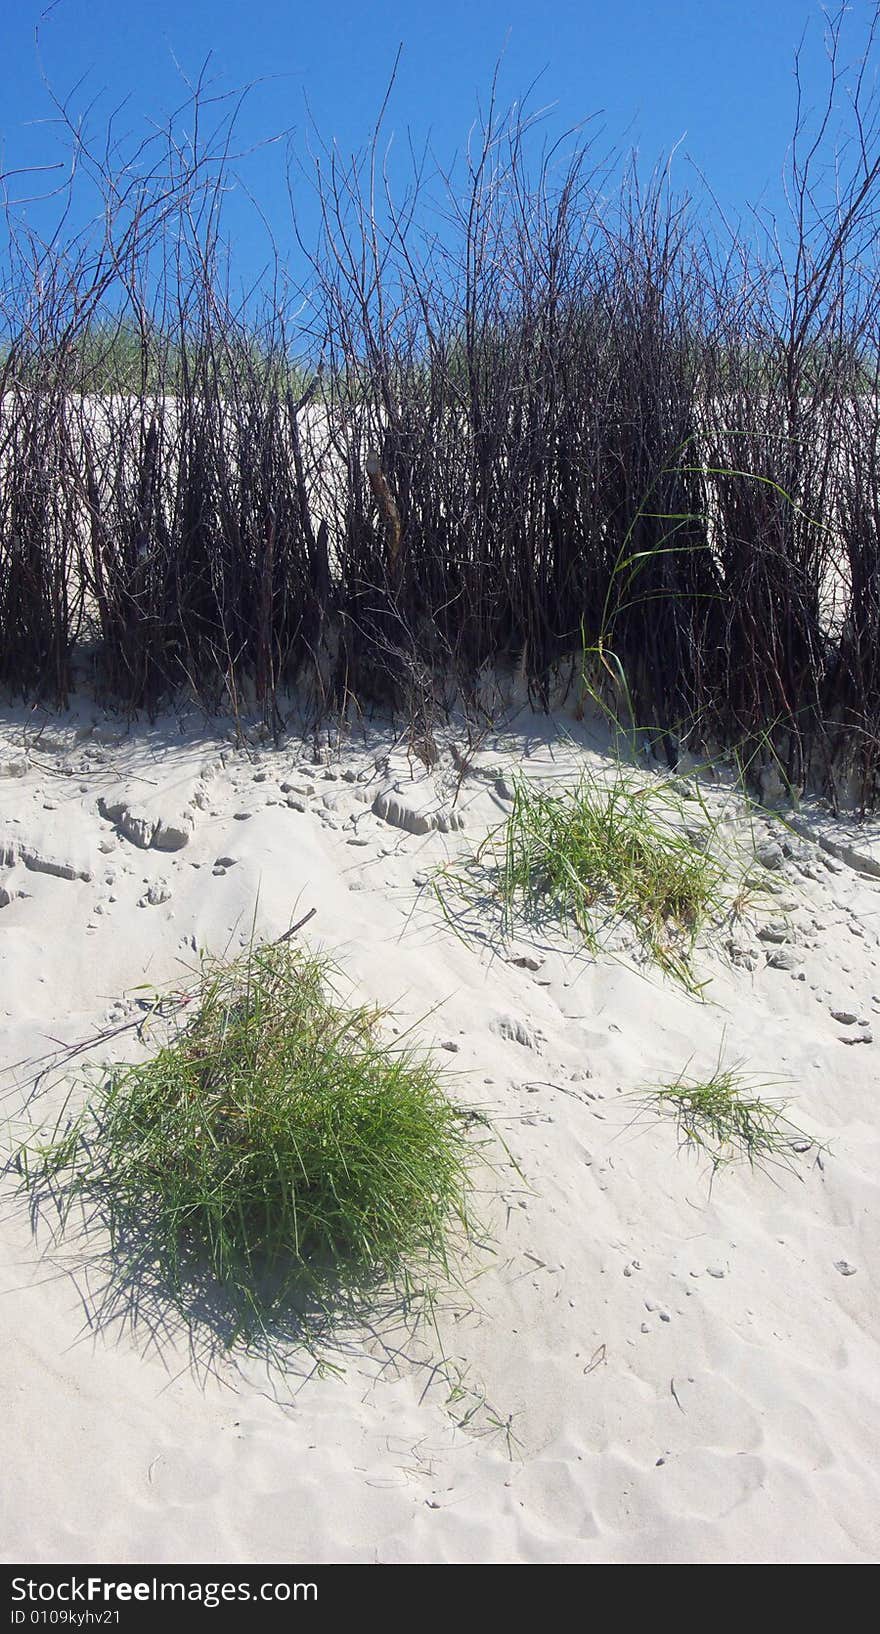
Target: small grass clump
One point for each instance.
(606, 851)
(276, 1139)
(728, 1118)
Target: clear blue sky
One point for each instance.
(712, 76)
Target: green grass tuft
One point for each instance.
(728, 1118)
(276, 1137)
(607, 851)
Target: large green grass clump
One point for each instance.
(605, 851)
(277, 1136)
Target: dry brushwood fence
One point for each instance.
(565, 432)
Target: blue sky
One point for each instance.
(713, 77)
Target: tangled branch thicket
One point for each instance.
(533, 417)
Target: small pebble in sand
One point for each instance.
(844, 1267)
(158, 893)
(776, 931)
(17, 766)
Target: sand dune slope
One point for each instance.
(644, 1367)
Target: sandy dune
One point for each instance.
(643, 1369)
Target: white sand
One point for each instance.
(685, 1376)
